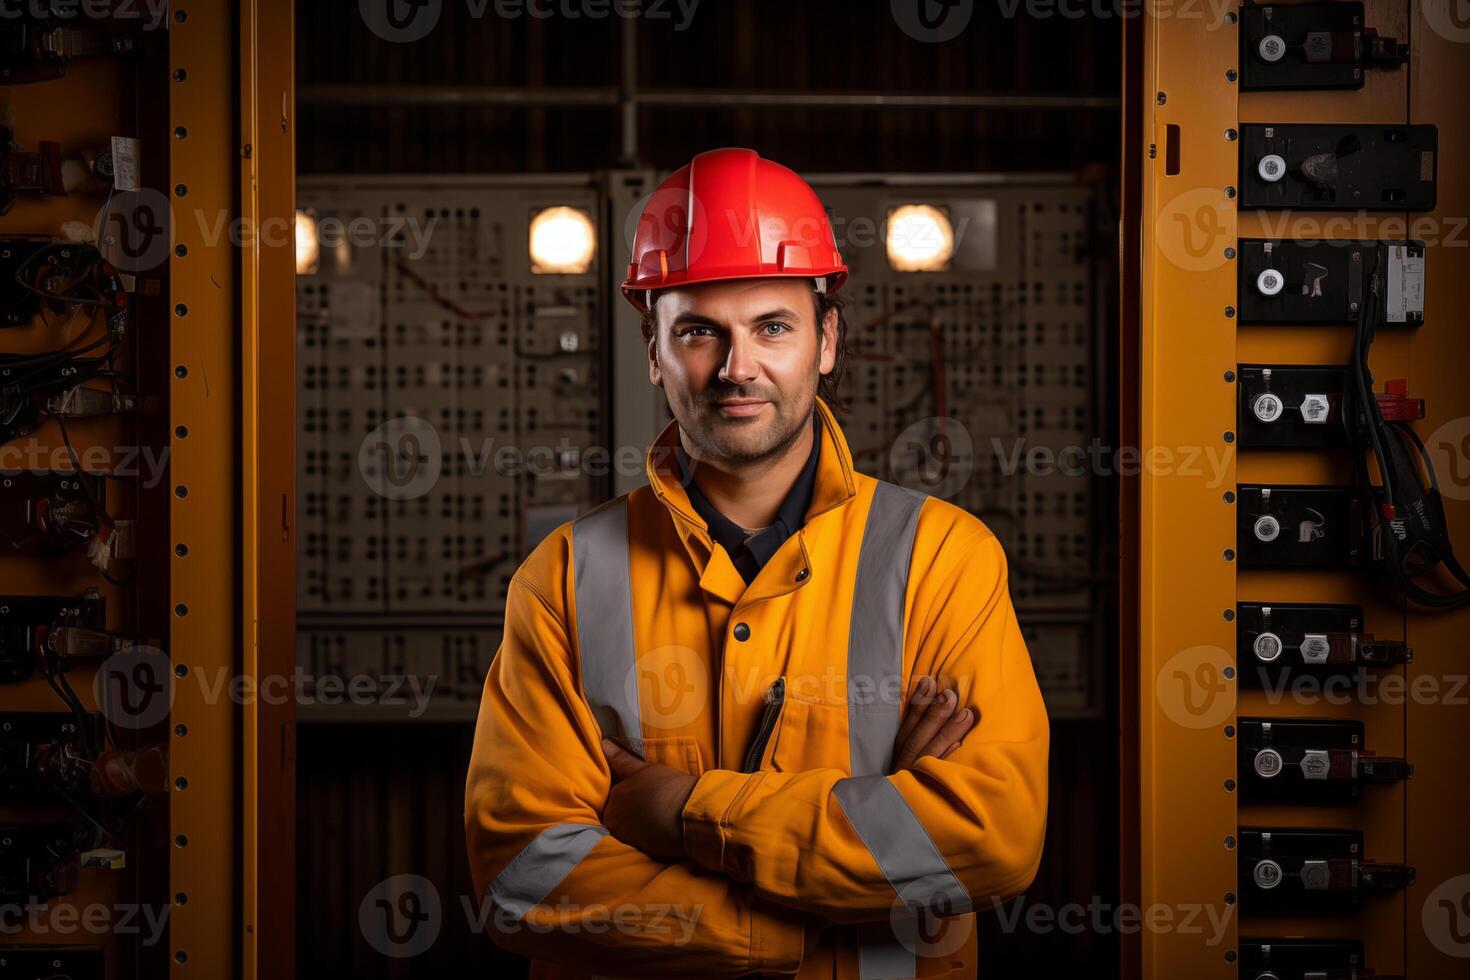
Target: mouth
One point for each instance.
(740, 408)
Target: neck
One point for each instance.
(750, 494)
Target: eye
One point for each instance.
(776, 323)
(692, 330)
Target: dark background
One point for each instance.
(379, 800)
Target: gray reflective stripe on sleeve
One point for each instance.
(542, 864)
(899, 843)
(875, 636)
(603, 583)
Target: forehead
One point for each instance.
(737, 300)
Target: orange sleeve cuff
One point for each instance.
(706, 811)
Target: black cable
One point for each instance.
(1388, 522)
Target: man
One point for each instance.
(713, 743)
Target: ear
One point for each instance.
(828, 358)
(655, 373)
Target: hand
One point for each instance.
(931, 726)
(645, 808)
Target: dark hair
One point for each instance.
(829, 385)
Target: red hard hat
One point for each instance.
(731, 215)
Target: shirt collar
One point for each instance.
(790, 516)
(835, 478)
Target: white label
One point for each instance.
(1405, 281)
(125, 163)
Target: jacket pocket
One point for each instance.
(799, 732)
(755, 755)
(680, 753)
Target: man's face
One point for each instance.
(739, 361)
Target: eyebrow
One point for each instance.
(694, 319)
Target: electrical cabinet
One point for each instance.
(142, 522)
(1300, 733)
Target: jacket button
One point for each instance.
(742, 632)
(801, 575)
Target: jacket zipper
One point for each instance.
(775, 701)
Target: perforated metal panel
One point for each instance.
(977, 384)
(449, 396)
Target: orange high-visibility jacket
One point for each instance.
(806, 856)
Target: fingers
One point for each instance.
(921, 698)
(933, 718)
(623, 762)
(949, 736)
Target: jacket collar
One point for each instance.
(834, 487)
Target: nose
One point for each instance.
(741, 366)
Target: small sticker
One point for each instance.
(124, 163)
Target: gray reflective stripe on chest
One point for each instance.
(883, 819)
(603, 581)
(875, 637)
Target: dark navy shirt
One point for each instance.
(750, 556)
